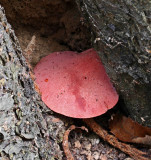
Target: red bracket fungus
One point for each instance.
(75, 85)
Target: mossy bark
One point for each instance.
(122, 36)
(26, 132)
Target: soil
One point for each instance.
(58, 26)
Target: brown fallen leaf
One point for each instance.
(103, 157)
(143, 140)
(126, 148)
(127, 130)
(77, 144)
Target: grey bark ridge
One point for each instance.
(122, 36)
(26, 132)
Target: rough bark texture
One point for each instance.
(122, 35)
(25, 130)
(28, 130)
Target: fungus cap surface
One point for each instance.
(75, 85)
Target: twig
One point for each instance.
(65, 141)
(133, 152)
(30, 48)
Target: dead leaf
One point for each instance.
(127, 130)
(143, 140)
(77, 144)
(55, 120)
(103, 157)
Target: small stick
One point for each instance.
(30, 48)
(65, 141)
(133, 152)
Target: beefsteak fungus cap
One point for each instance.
(75, 85)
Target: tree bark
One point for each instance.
(26, 130)
(122, 36)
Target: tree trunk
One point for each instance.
(26, 132)
(122, 35)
